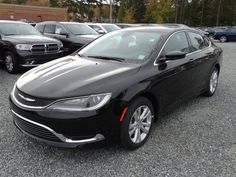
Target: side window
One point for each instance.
(40, 28)
(60, 30)
(96, 28)
(177, 42)
(197, 41)
(50, 29)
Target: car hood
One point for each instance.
(29, 39)
(72, 76)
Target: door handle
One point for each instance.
(191, 59)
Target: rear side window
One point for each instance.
(197, 41)
(60, 30)
(177, 42)
(50, 29)
(40, 28)
(96, 28)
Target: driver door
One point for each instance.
(175, 77)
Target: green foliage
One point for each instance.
(53, 3)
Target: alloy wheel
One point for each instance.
(140, 124)
(9, 62)
(223, 39)
(213, 81)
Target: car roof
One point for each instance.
(161, 28)
(12, 21)
(62, 22)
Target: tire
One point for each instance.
(212, 83)
(10, 63)
(223, 39)
(130, 137)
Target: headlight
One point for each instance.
(23, 47)
(60, 45)
(88, 103)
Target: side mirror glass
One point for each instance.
(175, 55)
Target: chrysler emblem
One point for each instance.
(26, 99)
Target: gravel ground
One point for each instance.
(196, 139)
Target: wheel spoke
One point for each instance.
(135, 135)
(131, 132)
(146, 116)
(138, 140)
(146, 124)
(144, 130)
(131, 126)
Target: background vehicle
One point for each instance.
(73, 35)
(21, 45)
(212, 30)
(115, 86)
(226, 35)
(103, 28)
(125, 25)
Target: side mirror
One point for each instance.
(175, 55)
(101, 32)
(64, 34)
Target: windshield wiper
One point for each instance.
(80, 55)
(108, 58)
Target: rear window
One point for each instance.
(197, 41)
(110, 28)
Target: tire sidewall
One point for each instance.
(124, 133)
(15, 64)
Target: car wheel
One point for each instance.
(10, 63)
(223, 39)
(137, 123)
(213, 83)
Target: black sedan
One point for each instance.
(116, 86)
(226, 35)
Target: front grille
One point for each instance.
(35, 130)
(45, 48)
(22, 98)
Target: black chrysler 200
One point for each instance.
(116, 86)
(21, 45)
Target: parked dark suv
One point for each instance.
(21, 45)
(73, 35)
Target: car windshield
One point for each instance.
(110, 28)
(8, 29)
(129, 46)
(80, 29)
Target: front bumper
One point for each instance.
(28, 59)
(64, 132)
(65, 142)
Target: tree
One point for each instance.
(139, 9)
(121, 11)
